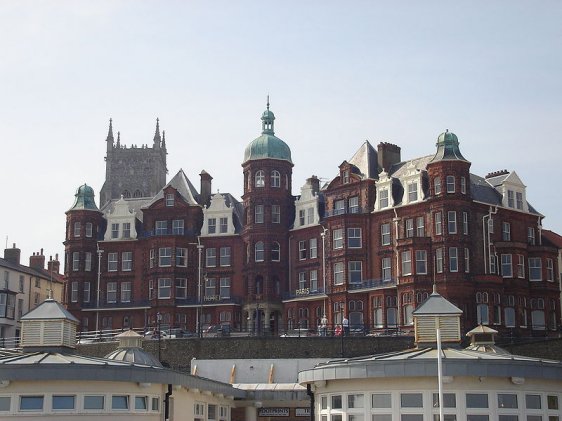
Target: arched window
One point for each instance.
(260, 179)
(259, 252)
(137, 193)
(275, 179)
(126, 194)
(275, 252)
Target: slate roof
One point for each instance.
(436, 304)
(185, 188)
(41, 273)
(49, 310)
(366, 160)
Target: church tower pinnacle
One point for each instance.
(157, 138)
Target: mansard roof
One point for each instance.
(400, 170)
(185, 188)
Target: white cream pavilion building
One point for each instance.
(480, 383)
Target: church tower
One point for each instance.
(133, 172)
(268, 214)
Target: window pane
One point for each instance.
(120, 402)
(31, 403)
(93, 402)
(411, 417)
(533, 401)
(470, 417)
(355, 417)
(411, 400)
(355, 401)
(336, 402)
(141, 403)
(4, 403)
(382, 417)
(508, 418)
(449, 400)
(507, 400)
(476, 400)
(552, 401)
(63, 401)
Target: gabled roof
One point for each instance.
(185, 188)
(366, 160)
(49, 310)
(135, 204)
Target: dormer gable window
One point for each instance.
(218, 217)
(384, 191)
(412, 192)
(412, 182)
(306, 206)
(170, 199)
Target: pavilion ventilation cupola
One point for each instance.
(267, 120)
(48, 327)
(437, 313)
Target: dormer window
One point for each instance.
(212, 225)
(114, 230)
(170, 199)
(275, 179)
(346, 177)
(412, 192)
(223, 225)
(383, 198)
(519, 200)
(450, 184)
(126, 230)
(437, 185)
(260, 179)
(510, 198)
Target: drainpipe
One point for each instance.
(167, 403)
(486, 236)
(396, 231)
(539, 226)
(310, 393)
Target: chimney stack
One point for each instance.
(388, 154)
(315, 184)
(53, 266)
(37, 261)
(13, 255)
(205, 187)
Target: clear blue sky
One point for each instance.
(338, 72)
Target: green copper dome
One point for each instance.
(267, 146)
(84, 199)
(448, 148)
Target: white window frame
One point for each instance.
(259, 251)
(452, 222)
(210, 257)
(406, 262)
(386, 236)
(339, 273)
(386, 268)
(258, 214)
(127, 261)
(275, 214)
(112, 262)
(383, 198)
(507, 266)
(534, 267)
(111, 294)
(164, 285)
(181, 257)
(275, 179)
(225, 256)
(164, 255)
(453, 259)
(178, 227)
(126, 292)
(337, 238)
(259, 179)
(211, 225)
(450, 183)
(438, 218)
(181, 288)
(354, 237)
(313, 248)
(354, 267)
(421, 262)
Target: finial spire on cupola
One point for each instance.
(157, 137)
(267, 119)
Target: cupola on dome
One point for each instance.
(267, 146)
(448, 148)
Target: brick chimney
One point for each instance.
(37, 261)
(314, 183)
(13, 255)
(205, 187)
(53, 266)
(388, 155)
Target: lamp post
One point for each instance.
(199, 295)
(100, 252)
(158, 320)
(323, 235)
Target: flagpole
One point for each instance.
(439, 373)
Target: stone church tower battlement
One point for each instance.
(134, 171)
